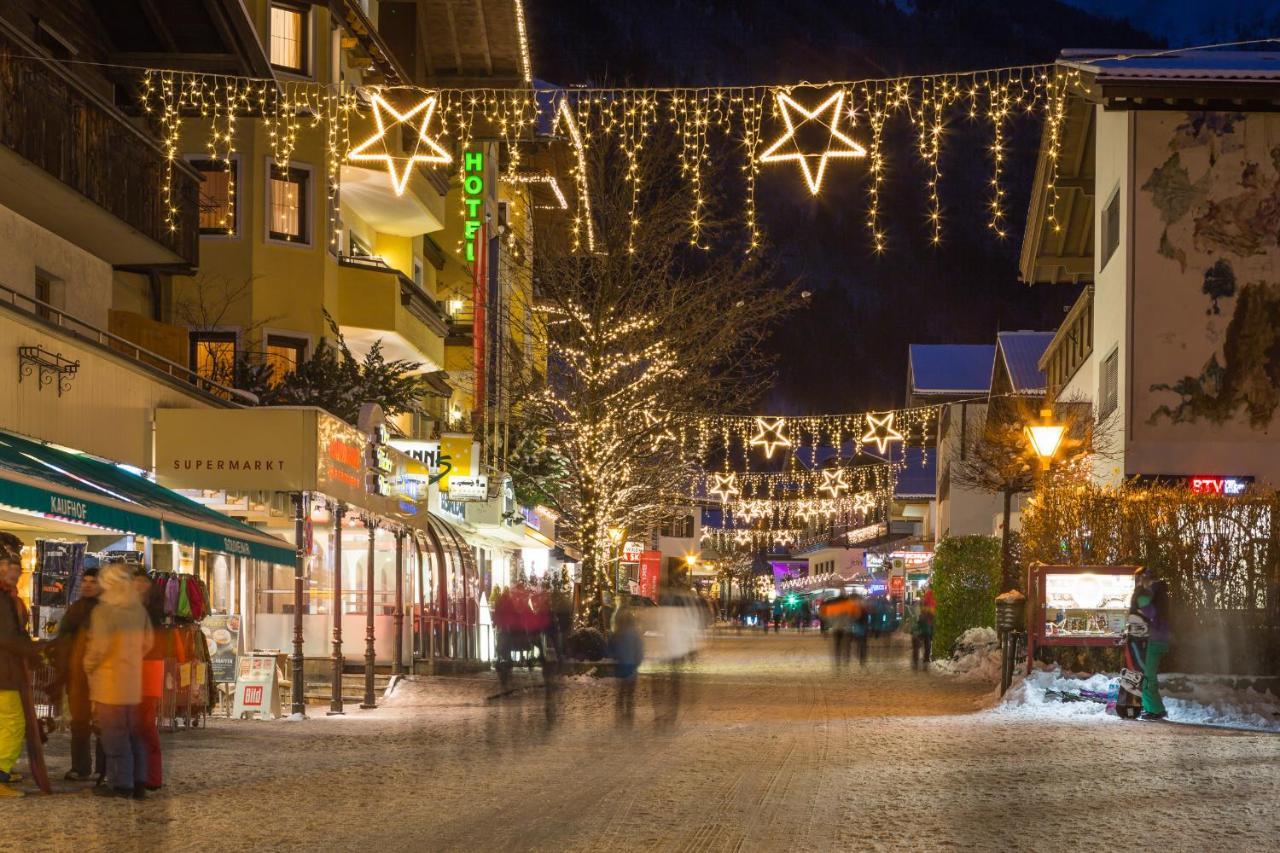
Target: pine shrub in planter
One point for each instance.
(966, 581)
(585, 644)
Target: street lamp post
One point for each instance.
(398, 620)
(299, 571)
(369, 701)
(335, 700)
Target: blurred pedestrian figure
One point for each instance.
(69, 649)
(836, 614)
(859, 624)
(922, 630)
(119, 637)
(806, 615)
(16, 647)
(1151, 602)
(152, 598)
(627, 647)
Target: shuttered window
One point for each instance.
(1110, 227)
(1109, 384)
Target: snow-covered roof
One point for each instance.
(1176, 65)
(950, 368)
(1022, 351)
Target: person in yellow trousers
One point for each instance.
(15, 645)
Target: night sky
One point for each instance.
(845, 349)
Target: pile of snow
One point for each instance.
(1198, 700)
(976, 657)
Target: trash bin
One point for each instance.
(1011, 622)
(1011, 612)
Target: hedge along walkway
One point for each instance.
(965, 581)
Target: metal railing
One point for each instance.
(53, 316)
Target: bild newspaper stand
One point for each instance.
(1077, 606)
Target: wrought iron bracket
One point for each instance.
(50, 368)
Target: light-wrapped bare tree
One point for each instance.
(640, 330)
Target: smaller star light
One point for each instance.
(863, 502)
(827, 114)
(725, 486)
(382, 111)
(880, 430)
(742, 537)
(770, 435)
(834, 482)
(661, 430)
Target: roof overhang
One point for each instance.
(1057, 245)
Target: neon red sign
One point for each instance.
(1207, 485)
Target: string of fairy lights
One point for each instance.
(775, 126)
(742, 443)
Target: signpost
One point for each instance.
(257, 688)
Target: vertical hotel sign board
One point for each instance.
(476, 254)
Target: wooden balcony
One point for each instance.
(84, 149)
(1070, 347)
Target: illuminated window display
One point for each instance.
(1086, 603)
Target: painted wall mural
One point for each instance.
(1207, 267)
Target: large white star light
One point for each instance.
(388, 118)
(838, 144)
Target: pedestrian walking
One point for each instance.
(69, 649)
(835, 613)
(806, 616)
(16, 647)
(924, 612)
(119, 638)
(152, 598)
(627, 647)
(859, 625)
(1151, 602)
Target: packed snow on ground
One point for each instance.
(1199, 700)
(976, 657)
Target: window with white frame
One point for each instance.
(289, 37)
(287, 203)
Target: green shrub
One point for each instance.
(966, 581)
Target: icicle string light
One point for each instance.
(747, 128)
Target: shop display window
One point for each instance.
(1086, 604)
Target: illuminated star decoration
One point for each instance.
(661, 431)
(833, 482)
(726, 486)
(880, 430)
(381, 112)
(863, 502)
(769, 435)
(846, 146)
(742, 537)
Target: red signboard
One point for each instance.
(897, 585)
(650, 571)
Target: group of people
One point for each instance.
(851, 619)
(109, 665)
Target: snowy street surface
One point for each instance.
(771, 750)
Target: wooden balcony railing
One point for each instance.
(54, 121)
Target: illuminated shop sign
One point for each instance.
(1219, 485)
(1202, 484)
